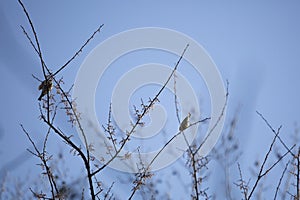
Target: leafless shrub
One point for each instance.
(144, 182)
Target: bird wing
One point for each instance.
(41, 86)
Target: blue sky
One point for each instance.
(255, 46)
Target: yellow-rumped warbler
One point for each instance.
(185, 123)
(45, 86)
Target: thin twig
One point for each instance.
(80, 50)
(35, 36)
(176, 98)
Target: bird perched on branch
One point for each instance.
(45, 86)
(185, 123)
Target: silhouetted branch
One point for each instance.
(80, 50)
(176, 98)
(35, 37)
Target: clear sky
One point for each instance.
(254, 45)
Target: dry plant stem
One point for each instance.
(280, 180)
(128, 134)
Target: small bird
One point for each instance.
(46, 87)
(185, 123)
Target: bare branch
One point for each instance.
(176, 98)
(79, 51)
(35, 36)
